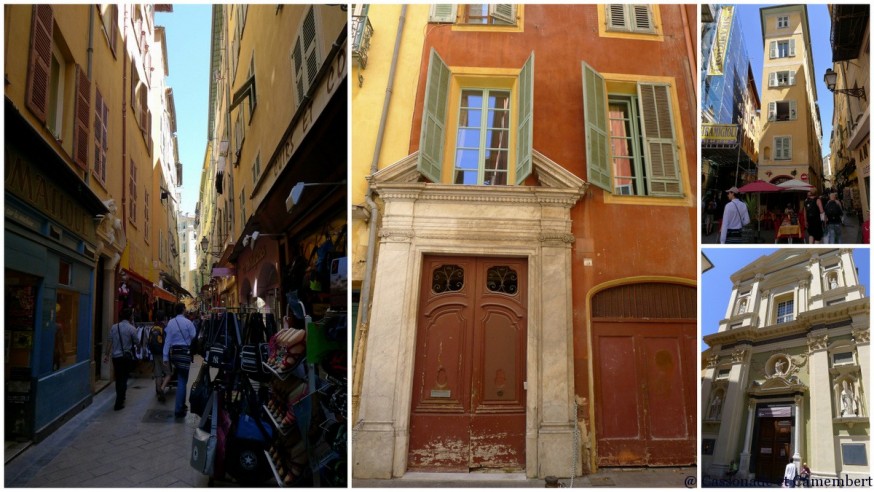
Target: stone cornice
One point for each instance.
(804, 323)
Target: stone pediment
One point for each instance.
(549, 174)
(776, 261)
(777, 385)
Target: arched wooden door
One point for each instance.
(644, 359)
(468, 408)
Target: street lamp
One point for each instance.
(204, 245)
(831, 79)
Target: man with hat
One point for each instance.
(734, 217)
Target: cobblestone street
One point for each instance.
(141, 445)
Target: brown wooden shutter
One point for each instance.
(81, 117)
(98, 134)
(40, 66)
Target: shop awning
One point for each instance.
(165, 295)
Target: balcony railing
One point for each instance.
(362, 31)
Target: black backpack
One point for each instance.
(833, 211)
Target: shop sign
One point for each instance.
(314, 107)
(26, 182)
(775, 412)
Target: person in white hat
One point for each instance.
(734, 217)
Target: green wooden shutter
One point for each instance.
(597, 134)
(443, 12)
(525, 133)
(433, 135)
(787, 147)
(658, 138)
(773, 49)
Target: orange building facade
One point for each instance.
(532, 296)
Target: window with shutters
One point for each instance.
(101, 140)
(132, 188)
(782, 148)
(781, 78)
(55, 117)
(629, 18)
(782, 111)
(109, 18)
(147, 222)
(782, 49)
(632, 133)
(243, 216)
(477, 124)
(305, 56)
(256, 168)
(489, 14)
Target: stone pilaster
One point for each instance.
(744, 467)
(731, 302)
(764, 306)
(725, 448)
(816, 287)
(822, 458)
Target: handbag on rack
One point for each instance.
(200, 391)
(203, 443)
(223, 347)
(252, 353)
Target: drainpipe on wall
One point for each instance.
(690, 52)
(90, 58)
(364, 311)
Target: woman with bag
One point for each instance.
(177, 350)
(120, 346)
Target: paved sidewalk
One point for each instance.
(680, 477)
(141, 445)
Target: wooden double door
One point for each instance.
(773, 448)
(468, 404)
(645, 393)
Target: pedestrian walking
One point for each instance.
(156, 347)
(815, 216)
(709, 212)
(120, 345)
(734, 218)
(789, 474)
(834, 215)
(805, 475)
(177, 337)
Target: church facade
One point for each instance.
(785, 377)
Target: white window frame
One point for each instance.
(483, 144)
(782, 22)
(57, 79)
(774, 48)
(637, 158)
(781, 78)
(785, 317)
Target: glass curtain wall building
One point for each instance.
(730, 102)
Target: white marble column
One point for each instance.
(744, 466)
(816, 288)
(731, 302)
(764, 306)
(799, 430)
(822, 455)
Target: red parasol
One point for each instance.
(759, 187)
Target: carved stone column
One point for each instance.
(744, 467)
(707, 381)
(799, 430)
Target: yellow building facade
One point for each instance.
(850, 138)
(82, 107)
(790, 130)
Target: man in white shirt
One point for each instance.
(179, 331)
(789, 475)
(734, 217)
